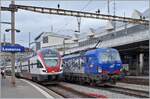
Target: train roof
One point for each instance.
(47, 49)
(98, 50)
(71, 55)
(89, 52)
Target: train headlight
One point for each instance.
(112, 66)
(44, 70)
(99, 69)
(91, 65)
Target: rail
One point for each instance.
(128, 91)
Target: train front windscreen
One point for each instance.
(51, 57)
(110, 61)
(110, 57)
(51, 62)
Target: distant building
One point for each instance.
(53, 40)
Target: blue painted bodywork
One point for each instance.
(93, 61)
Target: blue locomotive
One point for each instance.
(98, 66)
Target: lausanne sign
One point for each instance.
(12, 49)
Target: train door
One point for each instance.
(90, 65)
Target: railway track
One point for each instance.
(138, 81)
(127, 91)
(58, 91)
(122, 90)
(67, 92)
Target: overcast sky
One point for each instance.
(36, 23)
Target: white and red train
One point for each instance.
(43, 65)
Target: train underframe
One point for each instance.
(92, 78)
(43, 78)
(39, 77)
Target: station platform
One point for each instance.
(23, 89)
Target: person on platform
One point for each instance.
(3, 73)
(58, 6)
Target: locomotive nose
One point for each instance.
(113, 68)
(117, 68)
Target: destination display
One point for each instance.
(49, 53)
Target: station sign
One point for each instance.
(12, 49)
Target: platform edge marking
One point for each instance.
(39, 89)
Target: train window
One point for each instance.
(110, 57)
(39, 65)
(104, 57)
(49, 53)
(51, 62)
(115, 56)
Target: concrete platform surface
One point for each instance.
(23, 89)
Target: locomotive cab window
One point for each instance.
(109, 57)
(104, 57)
(115, 56)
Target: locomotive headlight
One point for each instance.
(91, 65)
(99, 69)
(112, 66)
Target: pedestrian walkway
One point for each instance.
(23, 89)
